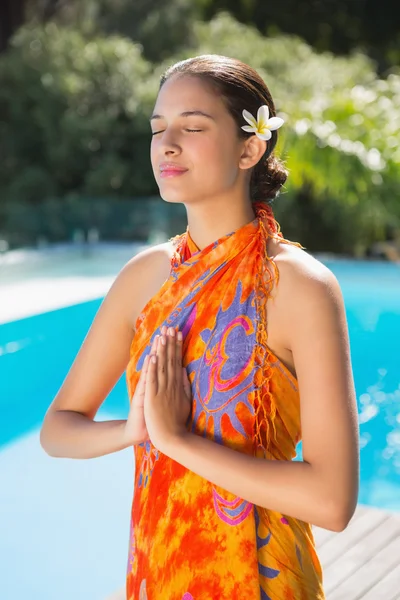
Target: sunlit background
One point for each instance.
(78, 81)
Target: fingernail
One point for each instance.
(180, 336)
(171, 331)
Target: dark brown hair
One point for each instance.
(241, 87)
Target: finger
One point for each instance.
(154, 345)
(151, 377)
(171, 356)
(145, 368)
(138, 396)
(140, 387)
(186, 382)
(178, 348)
(153, 348)
(161, 362)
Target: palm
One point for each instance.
(135, 428)
(136, 424)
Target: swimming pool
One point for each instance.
(75, 513)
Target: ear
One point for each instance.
(253, 149)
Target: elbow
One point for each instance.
(340, 522)
(45, 442)
(339, 516)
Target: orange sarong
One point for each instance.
(190, 539)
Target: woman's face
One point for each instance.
(207, 147)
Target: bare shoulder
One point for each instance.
(297, 265)
(306, 286)
(144, 274)
(157, 256)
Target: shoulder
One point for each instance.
(300, 268)
(158, 255)
(143, 275)
(308, 291)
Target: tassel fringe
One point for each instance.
(264, 402)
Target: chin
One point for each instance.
(173, 197)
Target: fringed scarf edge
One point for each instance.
(262, 399)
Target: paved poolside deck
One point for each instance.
(363, 561)
(360, 563)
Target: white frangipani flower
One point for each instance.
(263, 126)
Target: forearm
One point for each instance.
(292, 488)
(69, 434)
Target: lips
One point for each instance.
(171, 170)
(172, 173)
(171, 167)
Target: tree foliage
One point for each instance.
(160, 27)
(74, 109)
(338, 26)
(340, 138)
(73, 115)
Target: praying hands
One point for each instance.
(161, 405)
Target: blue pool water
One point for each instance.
(65, 523)
(36, 353)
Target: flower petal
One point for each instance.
(249, 118)
(262, 115)
(264, 136)
(248, 128)
(275, 123)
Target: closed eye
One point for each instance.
(191, 130)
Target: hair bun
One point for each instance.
(267, 179)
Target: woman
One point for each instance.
(220, 510)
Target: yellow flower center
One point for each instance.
(262, 126)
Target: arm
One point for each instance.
(323, 488)
(69, 429)
(70, 434)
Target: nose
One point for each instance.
(168, 143)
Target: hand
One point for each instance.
(135, 430)
(167, 400)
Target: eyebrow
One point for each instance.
(188, 113)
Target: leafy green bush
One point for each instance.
(74, 121)
(74, 116)
(339, 141)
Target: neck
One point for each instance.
(209, 223)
